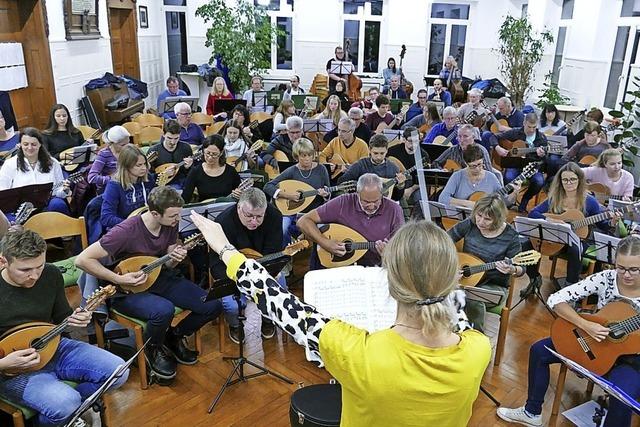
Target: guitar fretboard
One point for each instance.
(474, 269)
(355, 246)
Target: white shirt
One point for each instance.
(12, 177)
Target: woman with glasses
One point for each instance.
(621, 283)
(214, 177)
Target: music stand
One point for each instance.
(341, 68)
(167, 104)
(94, 400)
(228, 287)
(392, 134)
(397, 104)
(302, 101)
(38, 194)
(274, 97)
(80, 155)
(542, 230)
(259, 101)
(226, 105)
(440, 210)
(606, 247)
(208, 210)
(434, 150)
(512, 162)
(317, 125)
(557, 140)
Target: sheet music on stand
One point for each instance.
(167, 104)
(317, 125)
(81, 154)
(606, 247)
(607, 386)
(392, 134)
(355, 294)
(341, 67)
(545, 230)
(622, 206)
(210, 210)
(440, 210)
(259, 101)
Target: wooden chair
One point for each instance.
(134, 128)
(202, 119)
(148, 136)
(149, 120)
(87, 131)
(214, 128)
(504, 313)
(260, 116)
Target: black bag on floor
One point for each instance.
(317, 405)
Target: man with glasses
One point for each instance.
(416, 108)
(294, 88)
(445, 128)
(455, 152)
(189, 132)
(251, 224)
(367, 211)
(440, 93)
(173, 89)
(345, 145)
(284, 142)
(361, 131)
(171, 150)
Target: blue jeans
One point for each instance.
(230, 306)
(535, 184)
(44, 390)
(624, 376)
(156, 306)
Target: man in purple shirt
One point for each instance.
(189, 132)
(376, 217)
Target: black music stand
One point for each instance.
(81, 154)
(392, 134)
(606, 247)
(208, 210)
(228, 287)
(95, 400)
(542, 230)
(226, 105)
(317, 125)
(38, 194)
(511, 162)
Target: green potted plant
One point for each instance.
(551, 94)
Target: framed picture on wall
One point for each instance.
(144, 17)
(174, 20)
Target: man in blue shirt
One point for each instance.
(444, 128)
(416, 108)
(173, 89)
(506, 111)
(189, 132)
(440, 94)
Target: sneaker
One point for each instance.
(178, 346)
(234, 334)
(268, 329)
(519, 416)
(161, 362)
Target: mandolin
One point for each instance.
(473, 268)
(150, 265)
(355, 244)
(168, 171)
(527, 172)
(238, 161)
(306, 195)
(599, 357)
(23, 213)
(290, 250)
(44, 337)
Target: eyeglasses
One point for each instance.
(185, 114)
(344, 130)
(475, 165)
(422, 97)
(251, 216)
(212, 155)
(633, 271)
(569, 180)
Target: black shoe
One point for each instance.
(268, 329)
(234, 334)
(160, 362)
(178, 346)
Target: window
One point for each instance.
(525, 10)
(567, 9)
(557, 59)
(630, 8)
(617, 64)
(361, 33)
(281, 15)
(448, 35)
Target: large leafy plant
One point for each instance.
(627, 123)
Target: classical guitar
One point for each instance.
(290, 250)
(383, 125)
(355, 244)
(527, 172)
(473, 268)
(520, 148)
(603, 193)
(151, 265)
(306, 195)
(237, 161)
(388, 183)
(23, 213)
(168, 171)
(447, 140)
(599, 357)
(45, 337)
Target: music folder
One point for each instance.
(226, 105)
(38, 194)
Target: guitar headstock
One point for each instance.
(530, 169)
(76, 177)
(197, 156)
(23, 212)
(348, 186)
(257, 146)
(193, 241)
(526, 258)
(99, 296)
(254, 124)
(245, 184)
(152, 156)
(296, 247)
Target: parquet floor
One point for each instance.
(265, 401)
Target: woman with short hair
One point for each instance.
(106, 162)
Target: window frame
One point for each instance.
(448, 23)
(363, 16)
(286, 10)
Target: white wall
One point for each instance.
(152, 50)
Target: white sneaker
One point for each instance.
(519, 416)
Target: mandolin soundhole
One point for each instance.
(293, 204)
(347, 255)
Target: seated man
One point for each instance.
(416, 108)
(249, 96)
(172, 150)
(454, 153)
(368, 104)
(440, 94)
(189, 132)
(405, 154)
(284, 141)
(473, 109)
(293, 89)
(33, 291)
(530, 134)
(395, 91)
(154, 233)
(367, 211)
(361, 131)
(382, 115)
(506, 111)
(173, 89)
(445, 128)
(346, 145)
(251, 224)
(377, 164)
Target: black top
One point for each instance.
(176, 156)
(266, 239)
(210, 187)
(43, 302)
(59, 141)
(408, 160)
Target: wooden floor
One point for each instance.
(264, 401)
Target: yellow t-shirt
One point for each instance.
(389, 381)
(356, 151)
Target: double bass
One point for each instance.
(354, 83)
(406, 85)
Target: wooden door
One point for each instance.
(124, 44)
(22, 21)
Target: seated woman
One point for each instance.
(285, 110)
(33, 165)
(9, 138)
(487, 236)
(332, 110)
(568, 190)
(608, 172)
(307, 171)
(214, 177)
(472, 179)
(550, 121)
(608, 285)
(412, 355)
(60, 133)
(106, 162)
(584, 152)
(129, 188)
(237, 147)
(218, 91)
(241, 116)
